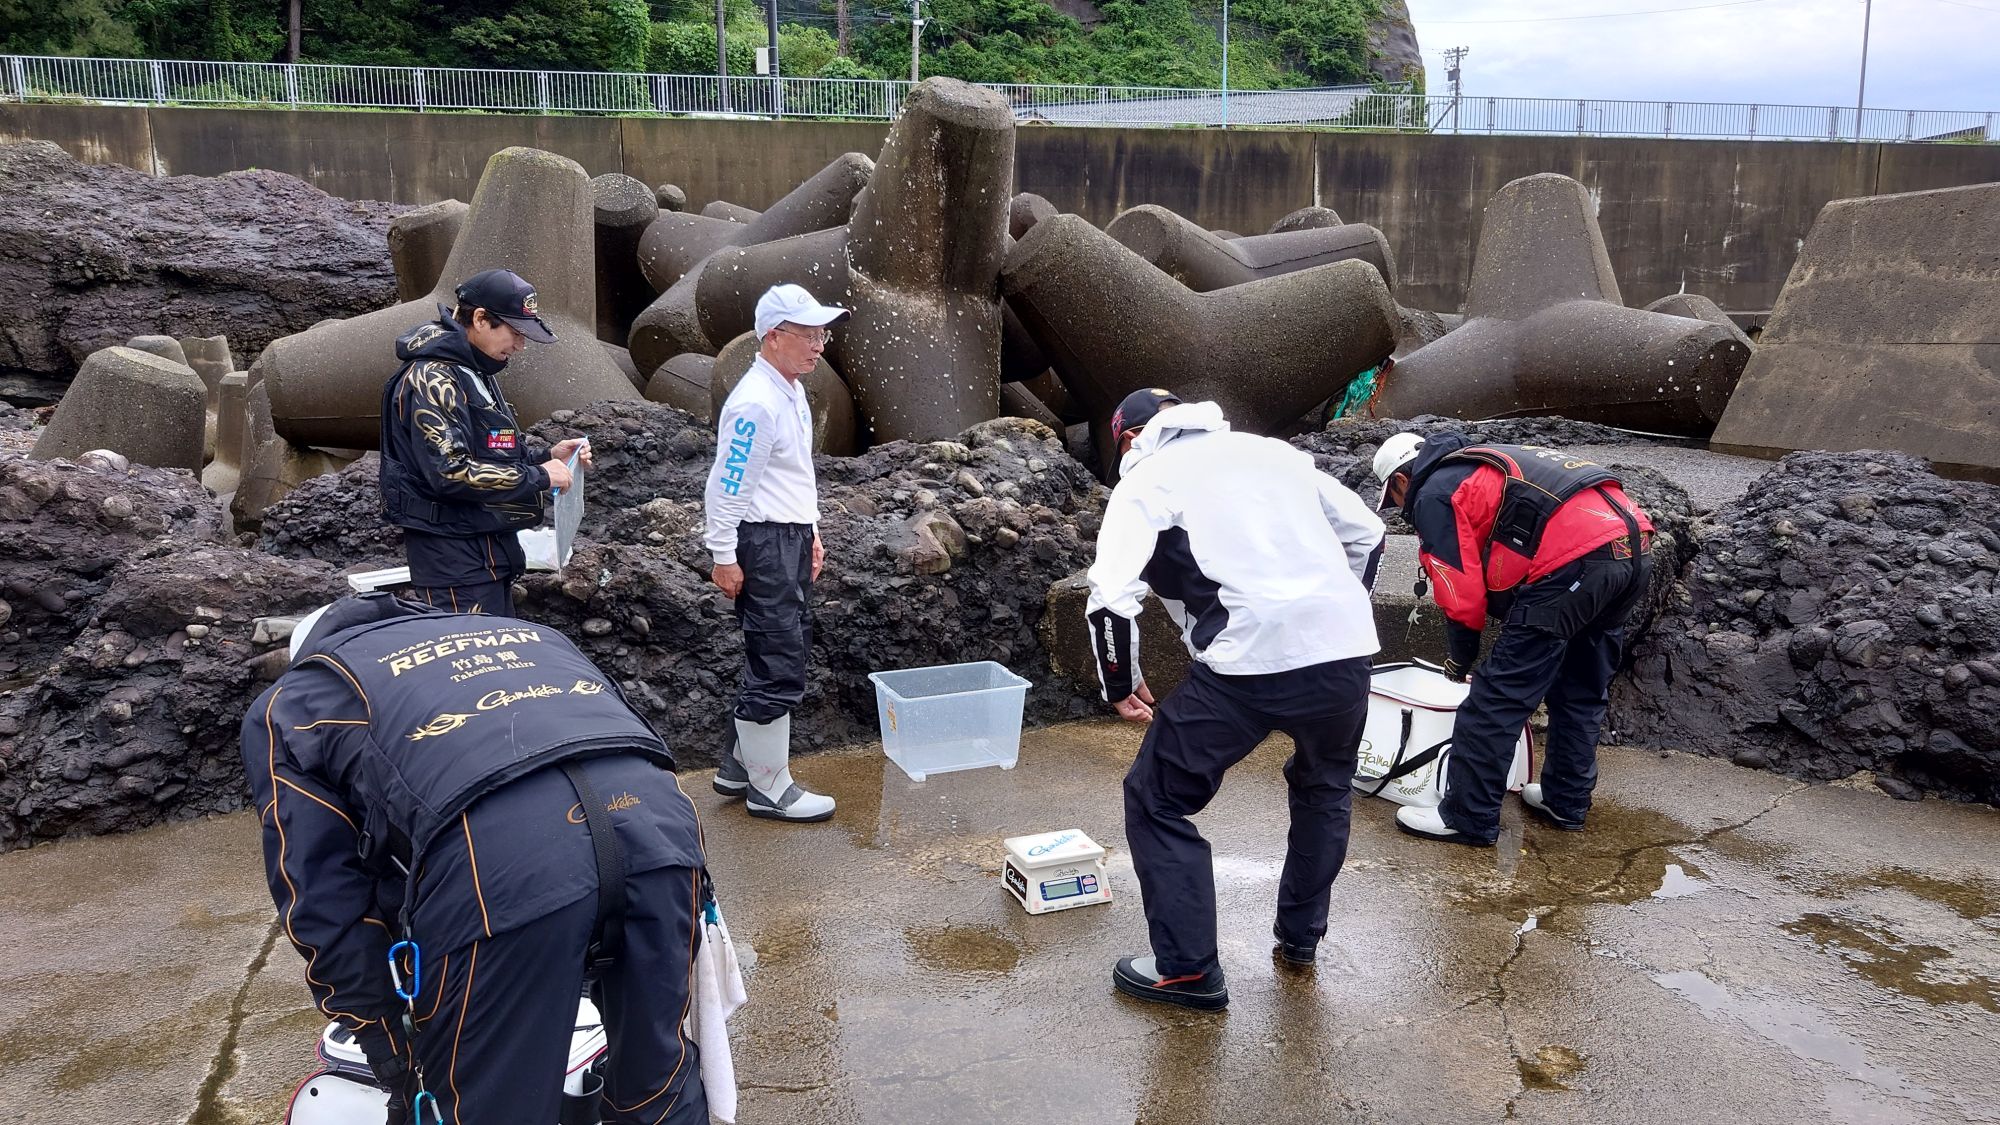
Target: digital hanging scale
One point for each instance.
(1055, 871)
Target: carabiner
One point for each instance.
(417, 1109)
(416, 986)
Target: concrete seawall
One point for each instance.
(1720, 218)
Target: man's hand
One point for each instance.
(819, 556)
(728, 577)
(1137, 707)
(558, 470)
(567, 448)
(1455, 672)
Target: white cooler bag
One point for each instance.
(1407, 742)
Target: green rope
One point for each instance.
(1358, 392)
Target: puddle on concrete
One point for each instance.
(1971, 897)
(1679, 882)
(962, 949)
(1552, 1068)
(1803, 1031)
(1922, 972)
(1628, 855)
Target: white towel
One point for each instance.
(718, 992)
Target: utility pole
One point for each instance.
(1861, 96)
(1454, 58)
(916, 29)
(292, 19)
(721, 59)
(840, 21)
(1225, 64)
(777, 89)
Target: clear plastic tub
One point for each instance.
(951, 717)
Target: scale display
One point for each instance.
(1068, 888)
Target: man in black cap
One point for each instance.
(1265, 564)
(459, 475)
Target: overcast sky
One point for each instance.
(1923, 54)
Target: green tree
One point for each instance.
(65, 27)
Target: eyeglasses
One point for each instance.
(817, 336)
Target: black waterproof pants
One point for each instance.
(464, 574)
(1207, 725)
(495, 1017)
(1561, 643)
(773, 612)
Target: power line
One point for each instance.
(1615, 15)
(1974, 7)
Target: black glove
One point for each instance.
(1455, 672)
(393, 1073)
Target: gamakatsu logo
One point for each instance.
(497, 699)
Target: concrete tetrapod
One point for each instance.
(1024, 211)
(166, 347)
(1884, 336)
(1307, 218)
(682, 383)
(531, 214)
(671, 197)
(1546, 332)
(420, 242)
(730, 212)
(209, 357)
(927, 240)
(223, 472)
(1267, 351)
(1204, 261)
(621, 210)
(916, 263)
(1694, 306)
(148, 408)
(832, 403)
(671, 324)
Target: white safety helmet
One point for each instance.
(304, 629)
(1395, 455)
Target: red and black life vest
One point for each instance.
(1539, 481)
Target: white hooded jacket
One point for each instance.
(1263, 561)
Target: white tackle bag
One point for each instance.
(1407, 741)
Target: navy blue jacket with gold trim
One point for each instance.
(398, 732)
(455, 460)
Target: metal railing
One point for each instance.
(31, 78)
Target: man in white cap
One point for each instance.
(1549, 544)
(762, 530)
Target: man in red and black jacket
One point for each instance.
(1550, 545)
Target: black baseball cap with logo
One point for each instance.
(1138, 408)
(507, 295)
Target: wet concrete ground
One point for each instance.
(1722, 945)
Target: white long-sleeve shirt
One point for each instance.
(1263, 560)
(763, 471)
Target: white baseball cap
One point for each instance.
(1396, 452)
(788, 303)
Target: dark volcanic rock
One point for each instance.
(65, 528)
(336, 518)
(138, 718)
(91, 255)
(936, 553)
(1842, 616)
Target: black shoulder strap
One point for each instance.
(607, 934)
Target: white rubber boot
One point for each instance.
(766, 751)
